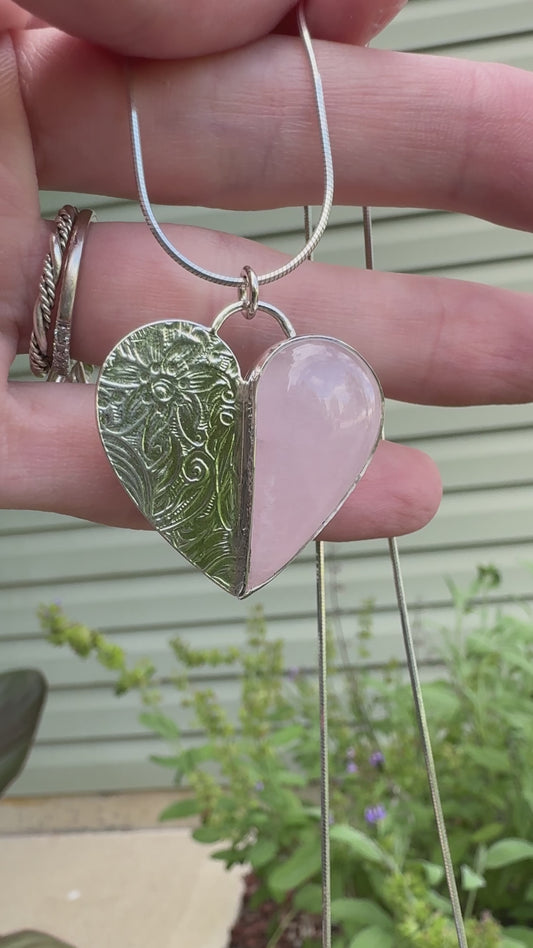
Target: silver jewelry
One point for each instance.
(42, 312)
(213, 459)
(186, 435)
(63, 368)
(55, 301)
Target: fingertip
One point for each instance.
(399, 494)
(350, 21)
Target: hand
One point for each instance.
(227, 118)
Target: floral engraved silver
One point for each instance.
(168, 411)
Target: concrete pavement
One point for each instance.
(147, 888)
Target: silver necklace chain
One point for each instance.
(314, 237)
(242, 282)
(416, 688)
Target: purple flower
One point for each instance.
(376, 759)
(350, 753)
(351, 767)
(259, 786)
(293, 672)
(373, 814)
(331, 819)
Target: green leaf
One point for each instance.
(440, 700)
(262, 853)
(439, 902)
(286, 735)
(290, 779)
(31, 939)
(523, 936)
(491, 758)
(511, 943)
(230, 856)
(188, 760)
(434, 872)
(22, 695)
(506, 852)
(487, 833)
(313, 812)
(180, 810)
(161, 724)
(373, 937)
(309, 899)
(470, 880)
(358, 843)
(163, 761)
(301, 866)
(206, 834)
(360, 913)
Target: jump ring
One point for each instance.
(249, 292)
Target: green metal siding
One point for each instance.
(135, 588)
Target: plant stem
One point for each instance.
(282, 927)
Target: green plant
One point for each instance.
(31, 939)
(253, 782)
(22, 695)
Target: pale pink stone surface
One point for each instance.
(318, 419)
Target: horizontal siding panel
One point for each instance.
(149, 601)
(65, 671)
(98, 714)
(426, 241)
(356, 576)
(425, 575)
(101, 765)
(427, 24)
(508, 274)
(516, 51)
(92, 768)
(411, 422)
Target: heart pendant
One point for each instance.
(236, 474)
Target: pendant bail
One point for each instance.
(249, 292)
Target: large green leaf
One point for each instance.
(373, 937)
(524, 935)
(29, 939)
(262, 852)
(471, 881)
(506, 852)
(161, 724)
(301, 866)
(360, 913)
(180, 809)
(22, 695)
(358, 843)
(309, 899)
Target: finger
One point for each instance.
(166, 29)
(347, 21)
(56, 463)
(12, 17)
(430, 340)
(19, 205)
(239, 130)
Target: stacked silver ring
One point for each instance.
(54, 305)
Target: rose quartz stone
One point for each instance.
(318, 421)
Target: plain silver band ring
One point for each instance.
(62, 368)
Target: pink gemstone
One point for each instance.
(318, 421)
